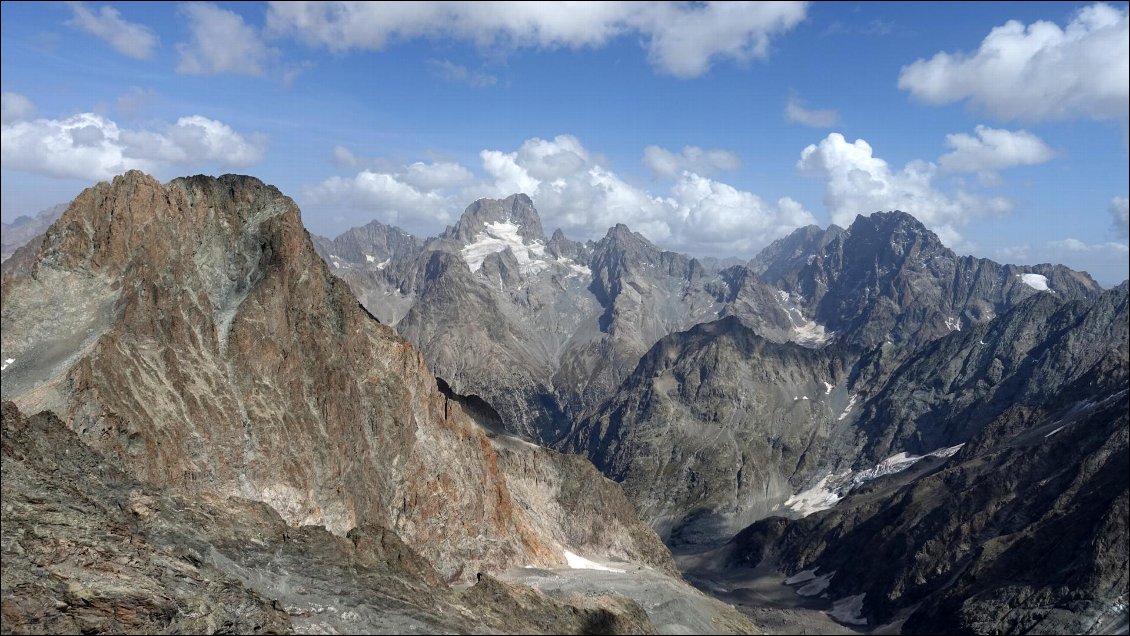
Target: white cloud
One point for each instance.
(127, 38)
(993, 149)
(14, 107)
(732, 221)
(705, 161)
(388, 197)
(1077, 246)
(91, 147)
(1036, 72)
(686, 39)
(221, 42)
(816, 118)
(452, 72)
(1120, 215)
(857, 182)
(572, 190)
(437, 175)
(683, 39)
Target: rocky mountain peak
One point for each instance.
(790, 253)
(516, 210)
(894, 233)
(191, 332)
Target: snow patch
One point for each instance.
(803, 576)
(575, 269)
(847, 409)
(369, 258)
(848, 610)
(1035, 281)
(819, 497)
(817, 585)
(499, 236)
(832, 488)
(811, 334)
(7, 363)
(581, 563)
(953, 324)
(828, 388)
(1055, 431)
(947, 452)
(383, 264)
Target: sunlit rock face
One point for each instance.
(190, 331)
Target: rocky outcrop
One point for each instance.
(86, 548)
(190, 331)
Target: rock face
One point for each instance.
(709, 431)
(190, 331)
(87, 548)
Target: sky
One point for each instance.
(712, 129)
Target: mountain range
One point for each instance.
(906, 436)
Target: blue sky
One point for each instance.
(712, 129)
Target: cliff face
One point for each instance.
(190, 331)
(87, 548)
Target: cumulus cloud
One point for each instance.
(706, 161)
(1036, 72)
(993, 149)
(127, 38)
(1120, 215)
(14, 107)
(417, 210)
(419, 197)
(816, 118)
(682, 39)
(572, 189)
(91, 147)
(720, 216)
(857, 182)
(452, 72)
(220, 42)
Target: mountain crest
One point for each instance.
(515, 213)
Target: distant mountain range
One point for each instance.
(723, 396)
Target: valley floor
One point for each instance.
(761, 595)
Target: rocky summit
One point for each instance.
(189, 336)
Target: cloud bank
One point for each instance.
(572, 190)
(682, 39)
(90, 147)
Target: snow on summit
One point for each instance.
(496, 238)
(1035, 281)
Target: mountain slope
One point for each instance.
(719, 426)
(191, 332)
(87, 548)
